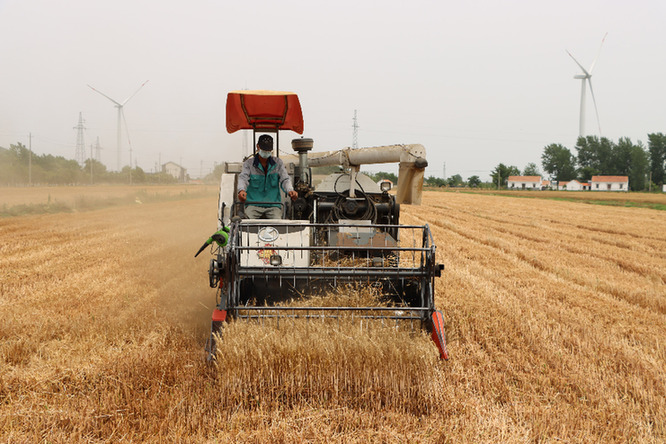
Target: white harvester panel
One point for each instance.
(269, 237)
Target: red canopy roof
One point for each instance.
(264, 110)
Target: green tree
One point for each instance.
(20, 153)
(531, 169)
(455, 181)
(138, 175)
(383, 175)
(621, 157)
(10, 166)
(474, 181)
(657, 147)
(501, 173)
(433, 181)
(99, 172)
(640, 166)
(215, 175)
(595, 156)
(558, 161)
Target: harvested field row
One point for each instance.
(557, 320)
(551, 338)
(629, 267)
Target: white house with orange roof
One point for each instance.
(572, 185)
(609, 183)
(524, 183)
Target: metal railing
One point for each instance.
(400, 268)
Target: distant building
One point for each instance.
(573, 185)
(175, 170)
(546, 184)
(524, 183)
(609, 183)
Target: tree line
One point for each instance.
(601, 156)
(18, 166)
(596, 156)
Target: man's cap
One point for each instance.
(265, 142)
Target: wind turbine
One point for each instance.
(587, 76)
(121, 115)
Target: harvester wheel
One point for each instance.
(213, 273)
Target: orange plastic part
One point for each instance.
(219, 315)
(438, 334)
(268, 110)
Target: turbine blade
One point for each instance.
(118, 104)
(581, 66)
(595, 105)
(128, 99)
(595, 59)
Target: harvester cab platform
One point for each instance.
(343, 232)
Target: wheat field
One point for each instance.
(555, 315)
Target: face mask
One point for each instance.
(265, 154)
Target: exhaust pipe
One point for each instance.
(302, 146)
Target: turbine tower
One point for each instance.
(587, 76)
(121, 115)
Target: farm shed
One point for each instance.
(524, 183)
(609, 183)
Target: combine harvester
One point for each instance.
(343, 233)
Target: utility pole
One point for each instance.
(444, 171)
(650, 182)
(80, 145)
(98, 156)
(91, 163)
(355, 136)
(30, 159)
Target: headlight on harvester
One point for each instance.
(276, 260)
(385, 186)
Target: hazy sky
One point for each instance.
(475, 82)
